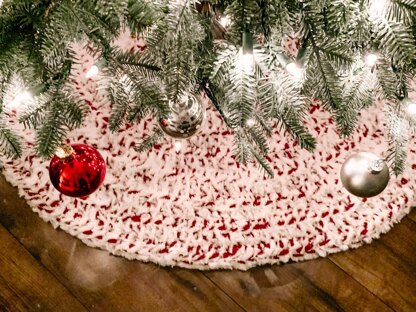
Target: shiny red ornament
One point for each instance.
(79, 172)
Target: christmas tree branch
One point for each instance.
(150, 141)
(398, 133)
(358, 94)
(10, 144)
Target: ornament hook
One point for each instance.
(64, 151)
(376, 166)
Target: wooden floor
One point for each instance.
(42, 269)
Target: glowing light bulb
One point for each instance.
(225, 21)
(178, 146)
(246, 62)
(250, 122)
(410, 108)
(371, 59)
(21, 98)
(93, 71)
(378, 8)
(295, 70)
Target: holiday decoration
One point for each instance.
(202, 211)
(185, 117)
(364, 174)
(77, 170)
(241, 54)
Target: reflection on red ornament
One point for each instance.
(164, 122)
(80, 173)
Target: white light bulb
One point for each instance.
(178, 146)
(378, 8)
(246, 62)
(410, 109)
(371, 59)
(21, 98)
(225, 21)
(250, 122)
(93, 71)
(295, 70)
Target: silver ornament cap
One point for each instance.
(365, 174)
(185, 117)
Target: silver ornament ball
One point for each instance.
(185, 117)
(365, 174)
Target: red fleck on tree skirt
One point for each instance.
(201, 209)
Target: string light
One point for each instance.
(225, 21)
(17, 96)
(410, 108)
(250, 122)
(93, 71)
(178, 146)
(21, 98)
(371, 59)
(377, 8)
(295, 70)
(246, 62)
(246, 58)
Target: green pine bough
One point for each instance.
(351, 52)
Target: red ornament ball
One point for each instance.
(77, 171)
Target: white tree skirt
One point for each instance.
(201, 209)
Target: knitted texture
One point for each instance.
(200, 208)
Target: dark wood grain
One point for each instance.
(412, 214)
(317, 285)
(27, 286)
(102, 282)
(402, 243)
(48, 263)
(386, 267)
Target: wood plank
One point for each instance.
(386, 267)
(412, 215)
(317, 285)
(102, 282)
(401, 242)
(27, 286)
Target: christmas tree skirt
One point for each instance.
(199, 208)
